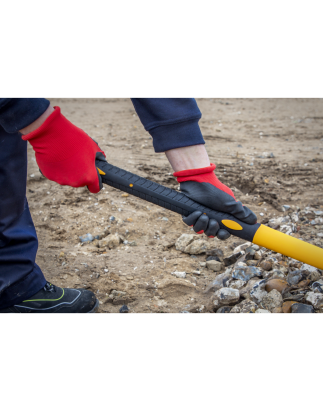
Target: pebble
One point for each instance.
(112, 218)
(125, 195)
(214, 265)
(272, 300)
(246, 273)
(179, 274)
(232, 259)
(316, 299)
(213, 257)
(252, 263)
(276, 284)
(238, 284)
(224, 310)
(220, 281)
(299, 308)
(197, 247)
(124, 309)
(258, 291)
(317, 286)
(183, 241)
(277, 310)
(266, 265)
(202, 264)
(215, 251)
(225, 296)
(197, 272)
(86, 238)
(165, 219)
(246, 306)
(287, 306)
(257, 255)
(262, 311)
(111, 241)
(241, 247)
(294, 277)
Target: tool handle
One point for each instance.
(171, 199)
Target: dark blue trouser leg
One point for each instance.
(20, 276)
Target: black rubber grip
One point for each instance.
(168, 198)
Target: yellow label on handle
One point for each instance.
(232, 224)
(101, 172)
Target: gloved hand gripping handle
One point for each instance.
(181, 204)
(171, 199)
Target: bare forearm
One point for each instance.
(188, 158)
(33, 126)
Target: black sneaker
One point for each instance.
(53, 299)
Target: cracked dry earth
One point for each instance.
(270, 151)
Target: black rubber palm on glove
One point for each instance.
(203, 186)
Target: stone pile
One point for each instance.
(257, 280)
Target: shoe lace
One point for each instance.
(50, 287)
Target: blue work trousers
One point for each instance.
(20, 276)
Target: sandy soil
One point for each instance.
(240, 134)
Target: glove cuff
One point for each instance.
(200, 175)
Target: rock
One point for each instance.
(213, 257)
(216, 252)
(246, 273)
(202, 264)
(196, 272)
(317, 286)
(164, 219)
(220, 281)
(287, 306)
(124, 309)
(277, 273)
(258, 291)
(262, 311)
(214, 265)
(250, 252)
(294, 277)
(241, 247)
(224, 310)
(272, 300)
(276, 284)
(252, 263)
(86, 238)
(257, 255)
(179, 274)
(313, 273)
(117, 294)
(245, 291)
(277, 310)
(238, 284)
(111, 241)
(225, 296)
(299, 308)
(316, 299)
(196, 247)
(246, 306)
(183, 241)
(232, 259)
(255, 247)
(266, 265)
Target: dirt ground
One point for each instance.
(269, 150)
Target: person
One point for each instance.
(66, 154)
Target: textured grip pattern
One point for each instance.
(166, 197)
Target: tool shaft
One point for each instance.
(179, 203)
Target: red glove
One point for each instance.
(65, 153)
(202, 185)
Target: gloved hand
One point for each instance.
(65, 153)
(202, 186)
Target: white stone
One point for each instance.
(179, 274)
(261, 311)
(227, 296)
(214, 265)
(183, 241)
(258, 291)
(197, 247)
(272, 300)
(241, 248)
(316, 299)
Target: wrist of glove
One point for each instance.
(202, 186)
(65, 153)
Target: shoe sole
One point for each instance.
(95, 308)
